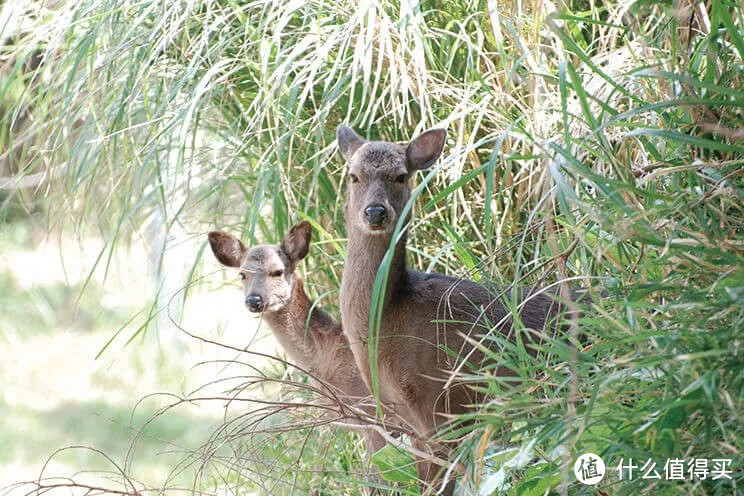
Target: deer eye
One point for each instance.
(242, 276)
(401, 178)
(276, 273)
(353, 178)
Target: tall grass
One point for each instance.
(590, 143)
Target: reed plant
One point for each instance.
(591, 143)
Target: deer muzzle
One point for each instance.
(254, 303)
(376, 215)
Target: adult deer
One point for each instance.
(422, 313)
(309, 336)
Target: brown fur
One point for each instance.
(316, 344)
(412, 367)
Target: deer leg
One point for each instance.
(374, 443)
(422, 414)
(429, 472)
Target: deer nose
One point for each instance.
(375, 214)
(254, 303)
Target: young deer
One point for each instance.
(309, 336)
(421, 312)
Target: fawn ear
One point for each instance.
(296, 243)
(348, 141)
(228, 249)
(423, 151)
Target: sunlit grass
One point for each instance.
(596, 142)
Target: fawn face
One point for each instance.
(378, 174)
(267, 271)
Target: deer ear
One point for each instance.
(228, 249)
(423, 151)
(296, 243)
(348, 141)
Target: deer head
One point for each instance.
(378, 175)
(267, 271)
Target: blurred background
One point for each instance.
(591, 143)
(63, 387)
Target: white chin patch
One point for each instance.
(275, 307)
(374, 231)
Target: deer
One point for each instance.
(422, 313)
(310, 337)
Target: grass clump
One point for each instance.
(593, 144)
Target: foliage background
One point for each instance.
(597, 143)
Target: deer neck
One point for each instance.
(365, 253)
(293, 329)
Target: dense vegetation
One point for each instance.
(590, 143)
